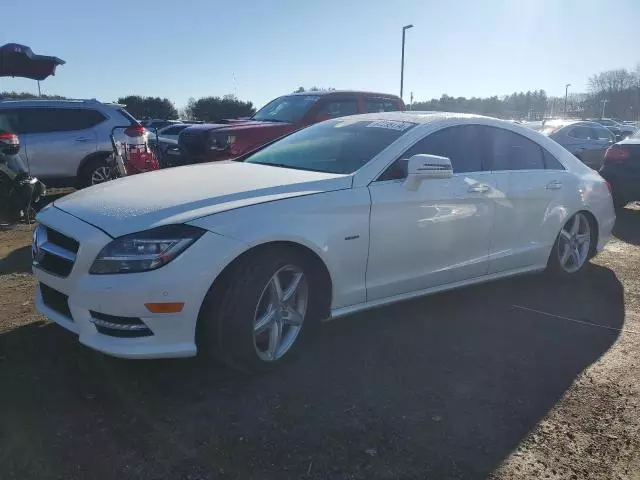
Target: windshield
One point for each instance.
(334, 146)
(288, 109)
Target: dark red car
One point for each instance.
(232, 138)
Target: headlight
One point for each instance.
(221, 141)
(144, 251)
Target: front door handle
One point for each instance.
(478, 188)
(554, 185)
(83, 139)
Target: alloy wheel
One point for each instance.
(100, 175)
(280, 313)
(574, 243)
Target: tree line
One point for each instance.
(613, 93)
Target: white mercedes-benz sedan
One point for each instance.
(238, 259)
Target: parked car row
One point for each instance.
(588, 141)
(619, 129)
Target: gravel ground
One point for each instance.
(522, 378)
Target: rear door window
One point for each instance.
(377, 105)
(601, 133)
(50, 120)
(339, 108)
(581, 132)
(507, 150)
(551, 162)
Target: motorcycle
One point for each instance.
(20, 193)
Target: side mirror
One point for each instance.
(424, 166)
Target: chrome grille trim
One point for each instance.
(116, 326)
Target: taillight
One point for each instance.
(617, 154)
(135, 131)
(9, 138)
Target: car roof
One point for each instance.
(51, 102)
(420, 117)
(559, 122)
(342, 92)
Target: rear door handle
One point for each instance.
(82, 139)
(478, 188)
(554, 185)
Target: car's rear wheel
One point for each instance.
(255, 319)
(573, 246)
(95, 171)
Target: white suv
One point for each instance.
(66, 142)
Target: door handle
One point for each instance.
(554, 185)
(478, 188)
(82, 139)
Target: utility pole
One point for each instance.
(411, 104)
(39, 93)
(566, 93)
(604, 104)
(404, 29)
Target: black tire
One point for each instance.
(225, 328)
(89, 168)
(554, 266)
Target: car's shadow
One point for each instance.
(18, 261)
(442, 387)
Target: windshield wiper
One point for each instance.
(282, 165)
(268, 120)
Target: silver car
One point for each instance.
(586, 140)
(66, 142)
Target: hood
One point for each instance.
(239, 124)
(182, 194)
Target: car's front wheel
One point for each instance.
(573, 246)
(255, 318)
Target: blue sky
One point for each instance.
(261, 49)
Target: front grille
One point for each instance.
(53, 251)
(55, 300)
(63, 241)
(193, 143)
(121, 327)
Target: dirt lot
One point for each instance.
(523, 378)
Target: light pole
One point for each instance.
(566, 93)
(604, 104)
(404, 29)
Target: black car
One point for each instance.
(618, 129)
(621, 168)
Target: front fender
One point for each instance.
(334, 225)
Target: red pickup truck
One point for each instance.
(232, 138)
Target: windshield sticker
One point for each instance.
(390, 125)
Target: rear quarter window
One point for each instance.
(550, 161)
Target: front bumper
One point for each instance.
(186, 279)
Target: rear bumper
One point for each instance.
(623, 186)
